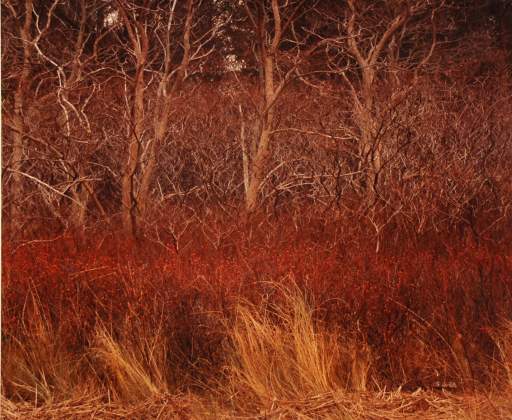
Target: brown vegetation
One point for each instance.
(301, 325)
(260, 208)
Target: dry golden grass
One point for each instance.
(278, 353)
(137, 370)
(503, 340)
(280, 364)
(35, 364)
(382, 405)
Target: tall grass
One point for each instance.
(503, 339)
(205, 333)
(279, 353)
(136, 369)
(35, 362)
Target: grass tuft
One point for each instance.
(279, 352)
(137, 369)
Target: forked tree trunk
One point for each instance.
(165, 96)
(370, 147)
(139, 41)
(136, 203)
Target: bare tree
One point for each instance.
(151, 29)
(388, 43)
(23, 17)
(271, 22)
(139, 43)
(56, 68)
(355, 107)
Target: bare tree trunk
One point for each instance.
(139, 40)
(128, 200)
(272, 83)
(79, 212)
(370, 148)
(18, 118)
(259, 160)
(257, 170)
(245, 153)
(165, 97)
(160, 126)
(81, 191)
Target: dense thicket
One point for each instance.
(395, 114)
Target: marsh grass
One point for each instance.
(278, 352)
(144, 342)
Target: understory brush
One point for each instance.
(289, 329)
